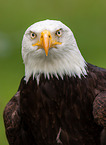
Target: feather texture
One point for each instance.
(57, 111)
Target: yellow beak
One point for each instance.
(46, 41)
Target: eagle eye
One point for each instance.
(33, 35)
(58, 33)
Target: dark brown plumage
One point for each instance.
(71, 111)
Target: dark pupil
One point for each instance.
(33, 34)
(58, 32)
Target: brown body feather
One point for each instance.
(58, 111)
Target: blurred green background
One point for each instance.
(87, 19)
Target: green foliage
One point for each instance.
(86, 19)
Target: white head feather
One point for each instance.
(64, 59)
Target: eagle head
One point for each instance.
(49, 48)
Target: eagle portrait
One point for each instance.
(61, 100)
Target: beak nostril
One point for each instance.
(49, 36)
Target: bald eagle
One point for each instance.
(62, 98)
